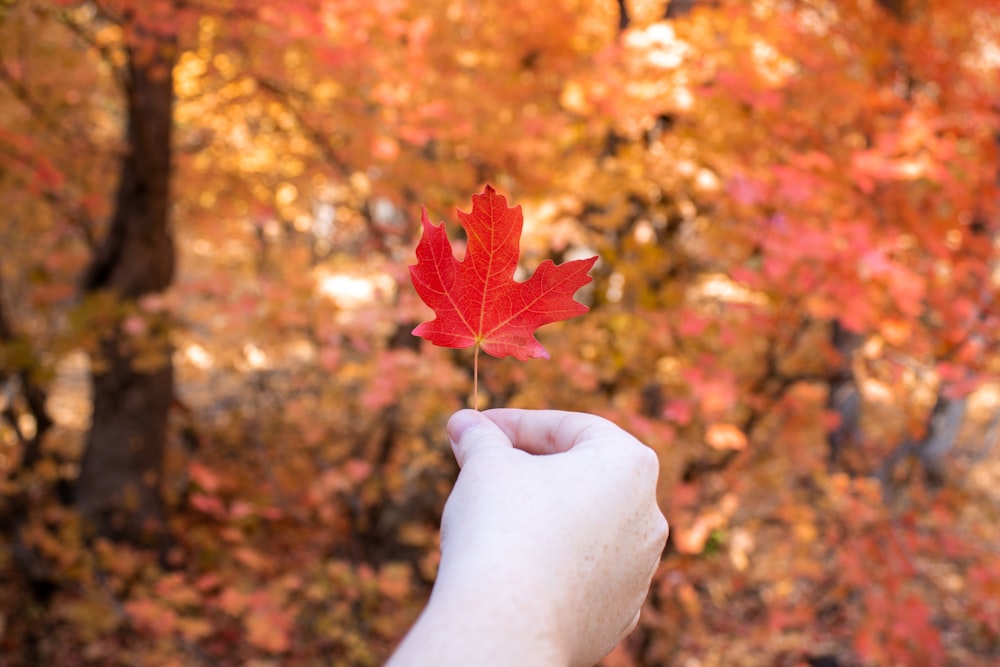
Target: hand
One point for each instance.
(549, 541)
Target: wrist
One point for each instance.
(487, 617)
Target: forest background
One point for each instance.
(221, 445)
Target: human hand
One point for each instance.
(549, 541)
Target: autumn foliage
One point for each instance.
(221, 444)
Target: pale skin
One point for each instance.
(549, 542)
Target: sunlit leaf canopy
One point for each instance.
(795, 206)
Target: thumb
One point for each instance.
(472, 433)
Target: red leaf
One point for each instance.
(477, 301)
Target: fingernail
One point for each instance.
(461, 422)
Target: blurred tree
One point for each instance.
(118, 488)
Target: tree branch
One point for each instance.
(376, 233)
(24, 96)
(34, 397)
(107, 53)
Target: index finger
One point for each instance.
(553, 431)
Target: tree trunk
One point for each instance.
(678, 8)
(118, 489)
(942, 433)
(845, 396)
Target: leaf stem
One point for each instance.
(475, 379)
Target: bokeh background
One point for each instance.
(221, 445)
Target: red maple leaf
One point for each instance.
(476, 300)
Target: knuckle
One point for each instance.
(662, 527)
(646, 461)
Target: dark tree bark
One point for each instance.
(118, 489)
(932, 449)
(624, 20)
(678, 8)
(845, 396)
(897, 8)
(33, 394)
(942, 434)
